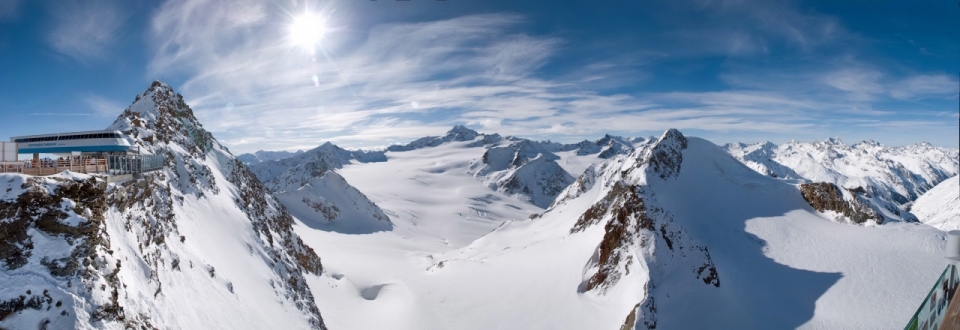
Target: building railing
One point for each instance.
(111, 164)
(131, 164)
(53, 166)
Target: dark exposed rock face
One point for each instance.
(667, 154)
(71, 211)
(631, 319)
(628, 217)
(636, 229)
(825, 196)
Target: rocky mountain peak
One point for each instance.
(462, 133)
(665, 155)
(198, 170)
(834, 141)
(158, 118)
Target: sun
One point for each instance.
(307, 30)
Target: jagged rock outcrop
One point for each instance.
(666, 155)
(632, 218)
(825, 196)
(68, 212)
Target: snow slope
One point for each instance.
(330, 203)
(309, 186)
(677, 234)
(199, 244)
(940, 206)
(892, 176)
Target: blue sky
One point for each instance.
(390, 71)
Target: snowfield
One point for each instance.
(940, 206)
(462, 255)
(478, 231)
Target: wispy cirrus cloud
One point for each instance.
(925, 85)
(102, 106)
(401, 81)
(84, 30)
(9, 9)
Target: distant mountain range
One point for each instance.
(475, 230)
(891, 177)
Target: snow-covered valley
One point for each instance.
(474, 230)
(463, 256)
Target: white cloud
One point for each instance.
(925, 85)
(103, 106)
(9, 9)
(84, 29)
(861, 84)
(473, 70)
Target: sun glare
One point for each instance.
(307, 30)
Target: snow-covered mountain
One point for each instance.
(532, 171)
(891, 177)
(291, 172)
(459, 133)
(263, 156)
(940, 206)
(474, 231)
(199, 244)
(524, 169)
(605, 148)
(309, 186)
(637, 241)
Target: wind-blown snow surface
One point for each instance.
(940, 206)
(199, 244)
(677, 233)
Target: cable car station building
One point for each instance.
(108, 152)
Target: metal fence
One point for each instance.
(130, 164)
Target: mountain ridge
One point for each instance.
(139, 253)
